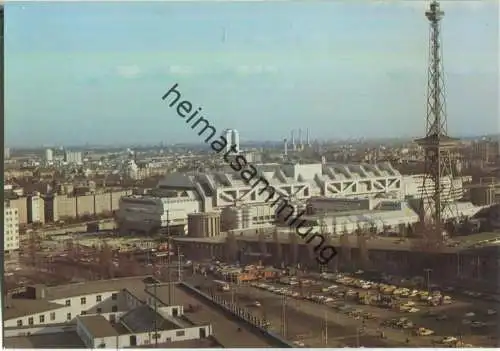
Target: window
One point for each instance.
(68, 316)
(42, 318)
(68, 302)
(52, 316)
(114, 296)
(83, 313)
(19, 322)
(102, 345)
(83, 300)
(179, 333)
(114, 308)
(99, 310)
(98, 298)
(31, 321)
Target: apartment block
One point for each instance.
(30, 208)
(10, 229)
(58, 207)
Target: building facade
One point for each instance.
(10, 229)
(249, 203)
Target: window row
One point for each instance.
(98, 298)
(52, 316)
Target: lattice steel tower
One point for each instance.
(437, 184)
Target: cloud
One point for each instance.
(180, 70)
(255, 69)
(129, 71)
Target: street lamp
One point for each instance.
(428, 277)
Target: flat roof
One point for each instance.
(15, 308)
(134, 284)
(67, 340)
(98, 326)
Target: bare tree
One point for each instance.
(231, 247)
(277, 243)
(345, 250)
(262, 242)
(363, 248)
(294, 246)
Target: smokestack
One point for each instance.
(293, 140)
(308, 141)
(286, 147)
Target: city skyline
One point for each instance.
(95, 73)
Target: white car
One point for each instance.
(470, 314)
(449, 340)
(491, 312)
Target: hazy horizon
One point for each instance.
(78, 73)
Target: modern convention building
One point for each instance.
(243, 205)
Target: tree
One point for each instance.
(231, 247)
(294, 246)
(277, 243)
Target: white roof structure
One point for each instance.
(297, 181)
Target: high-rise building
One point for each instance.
(233, 138)
(49, 155)
(6, 153)
(236, 140)
(10, 229)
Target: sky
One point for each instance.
(78, 73)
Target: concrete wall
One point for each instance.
(149, 338)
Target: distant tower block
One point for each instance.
(294, 147)
(228, 134)
(437, 204)
(308, 140)
(285, 147)
(236, 140)
(49, 155)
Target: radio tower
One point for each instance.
(437, 145)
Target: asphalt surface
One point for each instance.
(306, 320)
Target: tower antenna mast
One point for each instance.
(437, 186)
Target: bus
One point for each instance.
(222, 285)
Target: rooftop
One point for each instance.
(133, 284)
(68, 340)
(98, 326)
(22, 307)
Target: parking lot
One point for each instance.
(305, 324)
(409, 318)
